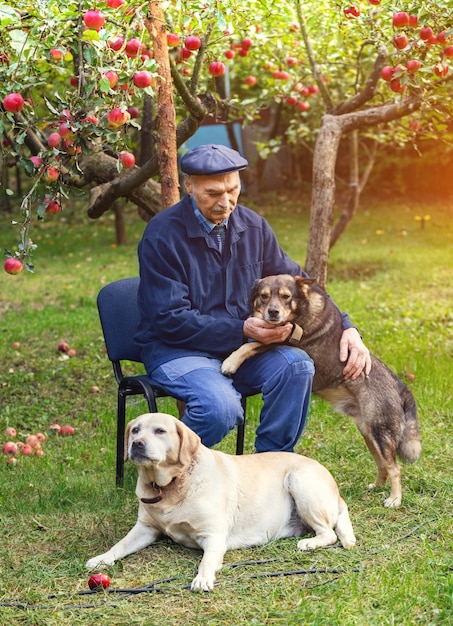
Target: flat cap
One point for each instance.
(211, 159)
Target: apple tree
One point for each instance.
(86, 85)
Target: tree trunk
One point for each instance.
(321, 216)
(357, 183)
(166, 114)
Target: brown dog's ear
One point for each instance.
(303, 284)
(253, 294)
(189, 443)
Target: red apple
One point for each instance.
(10, 432)
(117, 43)
(127, 159)
(250, 80)
(41, 437)
(413, 21)
(449, 52)
(413, 65)
(303, 106)
(291, 100)
(280, 74)
(184, 54)
(441, 70)
(246, 43)
(133, 47)
(400, 41)
(217, 68)
(352, 10)
(12, 265)
(32, 440)
(414, 125)
(426, 33)
(94, 19)
(442, 38)
(143, 79)
(133, 112)
(71, 352)
(313, 89)
(396, 86)
(51, 174)
(56, 54)
(13, 103)
(99, 581)
(10, 448)
(116, 118)
(400, 19)
(192, 42)
(55, 428)
(292, 61)
(172, 40)
(12, 461)
(294, 27)
(53, 207)
(112, 77)
(27, 450)
(67, 430)
(16, 346)
(229, 54)
(115, 4)
(37, 161)
(63, 346)
(54, 140)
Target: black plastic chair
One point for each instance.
(118, 312)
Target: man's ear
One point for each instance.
(189, 443)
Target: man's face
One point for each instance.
(215, 196)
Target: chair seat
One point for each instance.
(119, 316)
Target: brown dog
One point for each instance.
(381, 405)
(206, 499)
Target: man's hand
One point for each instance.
(255, 328)
(355, 352)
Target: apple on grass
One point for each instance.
(10, 431)
(98, 581)
(10, 448)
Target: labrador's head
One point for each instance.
(159, 439)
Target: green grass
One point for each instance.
(393, 278)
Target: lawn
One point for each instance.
(392, 273)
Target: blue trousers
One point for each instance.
(213, 402)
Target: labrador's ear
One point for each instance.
(189, 443)
(126, 440)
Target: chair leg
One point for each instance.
(120, 431)
(241, 430)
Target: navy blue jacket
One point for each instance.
(193, 300)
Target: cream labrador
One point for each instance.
(215, 502)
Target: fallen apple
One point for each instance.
(99, 581)
(63, 346)
(10, 448)
(67, 430)
(10, 432)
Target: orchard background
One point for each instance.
(99, 95)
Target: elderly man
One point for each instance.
(198, 262)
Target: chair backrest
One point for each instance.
(118, 311)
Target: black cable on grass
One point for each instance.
(152, 588)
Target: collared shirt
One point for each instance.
(216, 231)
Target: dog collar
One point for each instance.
(296, 335)
(158, 498)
